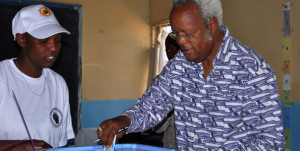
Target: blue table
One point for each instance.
(118, 147)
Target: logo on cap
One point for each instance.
(45, 11)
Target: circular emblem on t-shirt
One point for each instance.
(56, 117)
(44, 11)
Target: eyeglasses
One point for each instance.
(186, 36)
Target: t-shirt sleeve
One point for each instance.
(68, 132)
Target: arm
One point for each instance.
(262, 115)
(150, 109)
(67, 129)
(153, 106)
(22, 145)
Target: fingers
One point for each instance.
(107, 133)
(105, 137)
(110, 139)
(100, 131)
(108, 129)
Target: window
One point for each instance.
(158, 55)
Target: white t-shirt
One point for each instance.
(47, 116)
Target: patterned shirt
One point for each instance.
(236, 107)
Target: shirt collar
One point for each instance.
(225, 43)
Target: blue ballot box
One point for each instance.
(118, 147)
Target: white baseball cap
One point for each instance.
(37, 20)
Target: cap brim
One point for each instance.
(47, 31)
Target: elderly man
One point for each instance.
(224, 94)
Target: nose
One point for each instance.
(53, 46)
(181, 40)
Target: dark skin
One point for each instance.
(23, 145)
(171, 47)
(110, 128)
(184, 19)
(35, 55)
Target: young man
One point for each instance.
(40, 93)
(224, 94)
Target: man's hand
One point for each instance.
(109, 128)
(23, 145)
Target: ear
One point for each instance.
(213, 25)
(20, 38)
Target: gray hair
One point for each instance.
(208, 8)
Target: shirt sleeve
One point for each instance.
(153, 106)
(262, 114)
(2, 79)
(67, 129)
